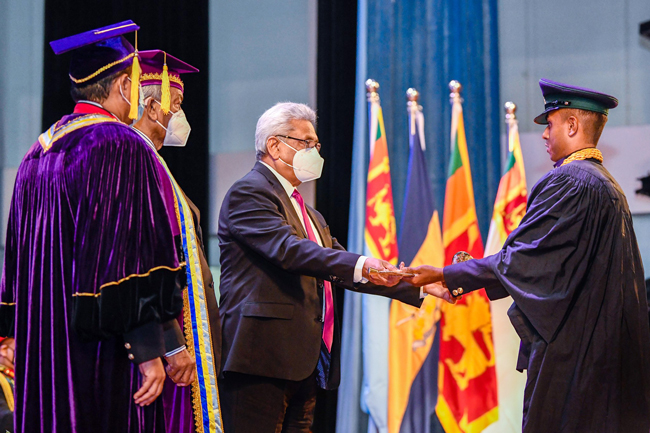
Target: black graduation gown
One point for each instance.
(574, 271)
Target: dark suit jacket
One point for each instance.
(272, 282)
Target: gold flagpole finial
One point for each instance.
(511, 109)
(372, 88)
(455, 87)
(412, 95)
(412, 106)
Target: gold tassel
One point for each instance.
(165, 99)
(135, 82)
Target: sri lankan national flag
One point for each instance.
(510, 204)
(509, 209)
(467, 387)
(380, 231)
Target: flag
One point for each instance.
(509, 209)
(380, 236)
(380, 230)
(413, 351)
(510, 204)
(467, 388)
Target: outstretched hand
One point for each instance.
(424, 275)
(431, 279)
(377, 278)
(439, 290)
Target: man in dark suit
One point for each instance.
(281, 339)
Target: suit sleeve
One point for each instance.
(403, 292)
(126, 271)
(254, 219)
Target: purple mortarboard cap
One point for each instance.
(153, 63)
(97, 53)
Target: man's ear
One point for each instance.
(123, 83)
(150, 109)
(273, 147)
(4, 351)
(572, 124)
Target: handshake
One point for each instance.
(430, 278)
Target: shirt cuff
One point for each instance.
(175, 351)
(423, 294)
(358, 271)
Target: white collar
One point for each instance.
(145, 138)
(283, 181)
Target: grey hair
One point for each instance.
(275, 121)
(152, 91)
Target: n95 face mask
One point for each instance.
(307, 163)
(178, 130)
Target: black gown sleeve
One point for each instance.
(544, 260)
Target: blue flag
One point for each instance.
(413, 345)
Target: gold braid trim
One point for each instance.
(100, 70)
(115, 283)
(112, 28)
(189, 343)
(158, 77)
(589, 153)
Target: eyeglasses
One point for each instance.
(309, 144)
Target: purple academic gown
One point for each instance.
(89, 256)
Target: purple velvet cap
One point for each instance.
(152, 62)
(97, 53)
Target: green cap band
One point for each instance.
(572, 101)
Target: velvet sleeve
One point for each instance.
(7, 283)
(126, 271)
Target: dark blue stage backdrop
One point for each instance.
(425, 44)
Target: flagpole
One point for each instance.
(511, 109)
(412, 105)
(455, 87)
(380, 236)
(511, 118)
(454, 98)
(372, 88)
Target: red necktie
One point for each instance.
(328, 326)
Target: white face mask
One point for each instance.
(178, 130)
(307, 163)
